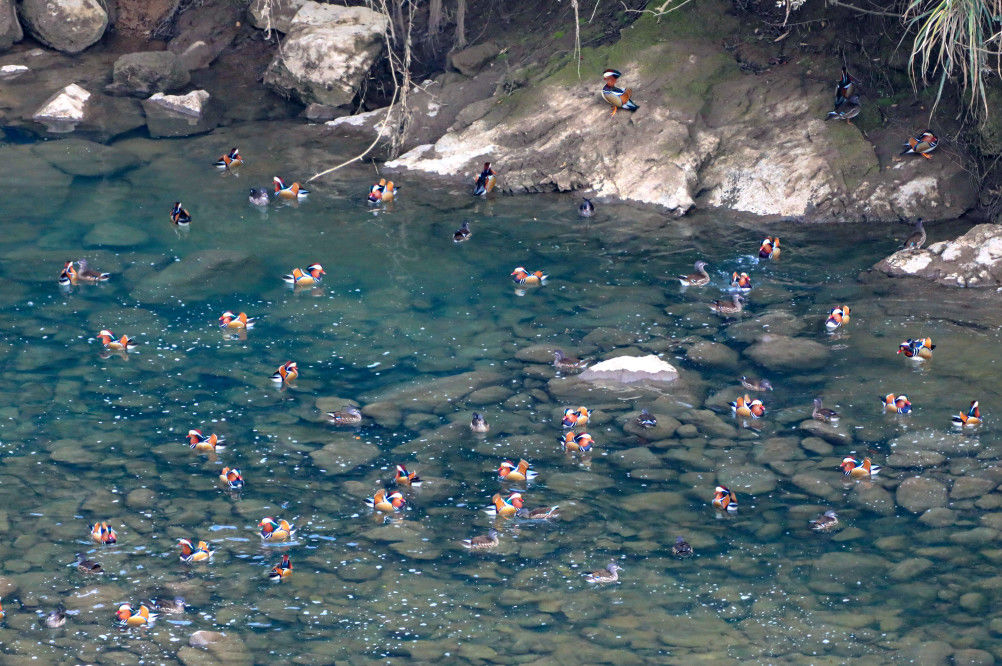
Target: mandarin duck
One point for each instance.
(854, 470)
(699, 278)
(562, 361)
(349, 415)
(971, 418)
(230, 160)
(287, 373)
(503, 507)
(483, 542)
(237, 322)
(281, 570)
(86, 566)
(917, 238)
(204, 443)
(140, 618)
(258, 196)
(308, 278)
(826, 522)
(574, 443)
(646, 419)
(724, 500)
(179, 215)
(837, 317)
(845, 89)
(85, 273)
(68, 276)
(922, 144)
(191, 554)
(610, 574)
(405, 478)
(172, 606)
(586, 208)
(745, 407)
(575, 417)
(847, 112)
(824, 414)
(484, 183)
(617, 97)
(57, 618)
(681, 548)
(753, 384)
(897, 404)
(101, 533)
(463, 233)
(232, 478)
(3, 614)
(124, 343)
(539, 513)
(524, 278)
(478, 424)
(293, 192)
(741, 282)
(384, 502)
(729, 308)
(917, 350)
(276, 530)
(769, 249)
(509, 471)
(382, 192)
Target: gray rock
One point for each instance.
(10, 28)
(972, 656)
(814, 483)
(972, 260)
(11, 72)
(873, 498)
(847, 567)
(470, 61)
(712, 354)
(910, 569)
(63, 111)
(341, 457)
(966, 487)
(916, 494)
(747, 479)
(195, 275)
(180, 115)
(33, 173)
(816, 445)
(147, 72)
(639, 456)
(202, 32)
(938, 517)
(919, 459)
(112, 234)
(86, 158)
(826, 431)
(65, 25)
(928, 653)
(783, 353)
(273, 14)
(320, 113)
(140, 498)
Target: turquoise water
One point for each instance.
(402, 312)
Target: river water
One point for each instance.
(421, 332)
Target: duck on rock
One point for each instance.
(922, 144)
(617, 97)
(484, 183)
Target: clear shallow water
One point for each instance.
(402, 310)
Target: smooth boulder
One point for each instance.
(781, 352)
(69, 26)
(972, 260)
(86, 158)
(180, 115)
(916, 494)
(147, 72)
(10, 28)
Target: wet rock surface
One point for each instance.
(972, 260)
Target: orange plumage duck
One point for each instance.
(503, 507)
(405, 478)
(282, 570)
(230, 160)
(124, 343)
(193, 554)
(142, 617)
(575, 418)
(856, 470)
(384, 502)
(276, 530)
(310, 277)
(509, 471)
(204, 443)
(102, 533)
(292, 192)
(725, 500)
(287, 373)
(769, 249)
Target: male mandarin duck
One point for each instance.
(478, 424)
(741, 407)
(385, 502)
(503, 507)
(294, 191)
(179, 215)
(922, 144)
(727, 308)
(405, 478)
(232, 478)
(485, 182)
(917, 238)
(73, 275)
(826, 522)
(837, 317)
(586, 208)
(276, 530)
(240, 321)
(483, 542)
(124, 343)
(191, 554)
(523, 277)
(576, 417)
(68, 275)
(140, 618)
(562, 361)
(725, 500)
(824, 414)
(918, 350)
(854, 470)
(230, 160)
(582, 442)
(101, 533)
(281, 570)
(646, 419)
(204, 443)
(898, 404)
(382, 192)
(300, 278)
(509, 471)
(681, 548)
(540, 513)
(741, 282)
(617, 97)
(845, 89)
(971, 418)
(753, 384)
(769, 249)
(86, 566)
(3, 614)
(699, 278)
(463, 233)
(287, 373)
(348, 415)
(610, 574)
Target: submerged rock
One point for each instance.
(10, 28)
(630, 369)
(65, 25)
(86, 158)
(916, 494)
(179, 115)
(972, 260)
(197, 275)
(783, 353)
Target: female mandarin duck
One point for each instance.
(617, 97)
(300, 278)
(823, 414)
(699, 278)
(508, 471)
(232, 478)
(646, 419)
(503, 507)
(539, 513)
(382, 192)
(681, 548)
(854, 470)
(179, 215)
(287, 373)
(405, 478)
(124, 343)
(239, 322)
(485, 182)
(576, 417)
(586, 208)
(191, 554)
(523, 277)
(573, 443)
(281, 570)
(561, 361)
(204, 443)
(826, 522)
(918, 350)
(725, 500)
(728, 308)
(140, 618)
(57, 618)
(483, 542)
(384, 502)
(463, 233)
(478, 424)
(971, 418)
(610, 574)
(837, 317)
(753, 384)
(741, 282)
(917, 238)
(230, 160)
(88, 566)
(101, 533)
(921, 144)
(258, 196)
(848, 112)
(769, 249)
(276, 530)
(293, 192)
(348, 415)
(897, 404)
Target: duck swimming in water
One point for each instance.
(522, 277)
(753, 384)
(699, 278)
(281, 570)
(896, 404)
(232, 478)
(922, 144)
(293, 192)
(484, 183)
(741, 282)
(238, 322)
(258, 196)
(769, 249)
(312, 276)
(384, 502)
(729, 308)
(610, 574)
(971, 418)
(463, 233)
(563, 362)
(86, 566)
(586, 209)
(724, 500)
(193, 554)
(346, 416)
(382, 192)
(140, 618)
(276, 530)
(102, 533)
(509, 471)
(917, 350)
(837, 317)
(575, 418)
(230, 160)
(823, 414)
(573, 443)
(854, 470)
(85, 273)
(503, 507)
(646, 419)
(125, 343)
(287, 373)
(827, 522)
(405, 478)
(204, 443)
(55, 619)
(482, 542)
(681, 548)
(179, 215)
(537, 514)
(478, 424)
(617, 97)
